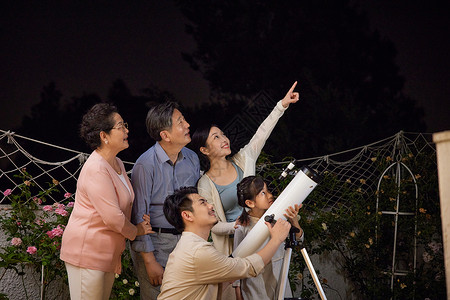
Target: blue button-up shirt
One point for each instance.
(154, 177)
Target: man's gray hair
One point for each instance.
(159, 118)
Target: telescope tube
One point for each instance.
(295, 193)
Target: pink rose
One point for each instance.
(50, 234)
(39, 222)
(16, 241)
(58, 231)
(62, 212)
(47, 208)
(67, 195)
(7, 192)
(61, 206)
(37, 200)
(57, 245)
(32, 249)
(70, 204)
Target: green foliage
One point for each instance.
(29, 224)
(359, 235)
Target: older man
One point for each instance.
(159, 171)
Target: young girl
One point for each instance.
(255, 198)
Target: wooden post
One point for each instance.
(442, 141)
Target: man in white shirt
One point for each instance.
(195, 269)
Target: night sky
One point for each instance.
(83, 48)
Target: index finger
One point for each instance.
(293, 87)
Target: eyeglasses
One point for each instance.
(121, 126)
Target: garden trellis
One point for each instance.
(18, 152)
(359, 169)
(358, 166)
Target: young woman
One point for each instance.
(222, 174)
(255, 199)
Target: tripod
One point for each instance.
(291, 242)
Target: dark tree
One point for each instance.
(57, 122)
(350, 89)
(133, 110)
(44, 119)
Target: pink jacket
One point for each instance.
(100, 221)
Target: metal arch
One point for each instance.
(397, 213)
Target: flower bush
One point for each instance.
(34, 234)
(34, 229)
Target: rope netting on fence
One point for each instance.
(45, 162)
(358, 167)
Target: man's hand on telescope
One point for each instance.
(278, 233)
(280, 230)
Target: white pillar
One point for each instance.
(442, 141)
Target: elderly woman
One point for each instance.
(94, 238)
(222, 174)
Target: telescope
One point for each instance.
(295, 193)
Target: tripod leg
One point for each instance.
(284, 274)
(313, 273)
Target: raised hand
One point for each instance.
(291, 96)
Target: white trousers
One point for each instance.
(87, 284)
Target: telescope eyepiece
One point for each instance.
(270, 219)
